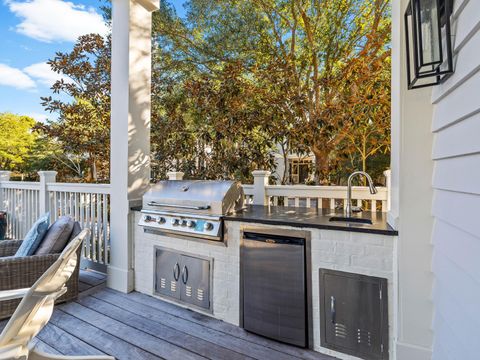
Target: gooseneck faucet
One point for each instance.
(373, 190)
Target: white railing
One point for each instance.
(21, 202)
(327, 197)
(89, 204)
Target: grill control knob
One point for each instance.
(148, 218)
(184, 222)
(208, 226)
(175, 222)
(161, 220)
(191, 223)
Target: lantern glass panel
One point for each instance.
(431, 50)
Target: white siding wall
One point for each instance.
(456, 204)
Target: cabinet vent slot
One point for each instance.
(341, 330)
(173, 286)
(188, 291)
(200, 294)
(163, 283)
(364, 336)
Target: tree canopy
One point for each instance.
(314, 73)
(234, 81)
(16, 140)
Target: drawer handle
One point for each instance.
(176, 271)
(185, 275)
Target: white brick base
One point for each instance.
(366, 254)
(226, 267)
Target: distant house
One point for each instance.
(299, 168)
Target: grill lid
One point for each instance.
(195, 196)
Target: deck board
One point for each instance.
(137, 326)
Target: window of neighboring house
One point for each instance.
(300, 170)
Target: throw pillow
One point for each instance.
(34, 237)
(56, 237)
(77, 229)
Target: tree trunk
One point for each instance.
(321, 164)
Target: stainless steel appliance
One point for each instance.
(274, 286)
(191, 208)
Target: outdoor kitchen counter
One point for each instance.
(312, 218)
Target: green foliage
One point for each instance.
(305, 75)
(83, 125)
(16, 140)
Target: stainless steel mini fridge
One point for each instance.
(274, 287)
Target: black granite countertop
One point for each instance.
(309, 218)
(312, 218)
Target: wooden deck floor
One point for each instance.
(137, 326)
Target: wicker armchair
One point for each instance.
(23, 272)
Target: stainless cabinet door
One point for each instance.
(168, 272)
(354, 314)
(274, 290)
(195, 281)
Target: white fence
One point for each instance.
(329, 197)
(89, 204)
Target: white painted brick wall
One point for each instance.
(226, 267)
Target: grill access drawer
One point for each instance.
(354, 314)
(182, 277)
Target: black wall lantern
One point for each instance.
(429, 42)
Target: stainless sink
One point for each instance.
(355, 220)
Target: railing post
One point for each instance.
(260, 180)
(175, 175)
(4, 176)
(388, 184)
(45, 178)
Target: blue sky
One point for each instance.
(31, 31)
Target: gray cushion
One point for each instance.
(77, 229)
(56, 237)
(34, 237)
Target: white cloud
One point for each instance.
(56, 20)
(16, 78)
(43, 73)
(40, 117)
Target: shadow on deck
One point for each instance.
(136, 326)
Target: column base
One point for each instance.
(120, 279)
(412, 352)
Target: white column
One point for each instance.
(260, 180)
(175, 175)
(130, 129)
(46, 177)
(411, 202)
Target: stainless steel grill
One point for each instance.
(191, 208)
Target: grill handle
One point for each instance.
(190, 207)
